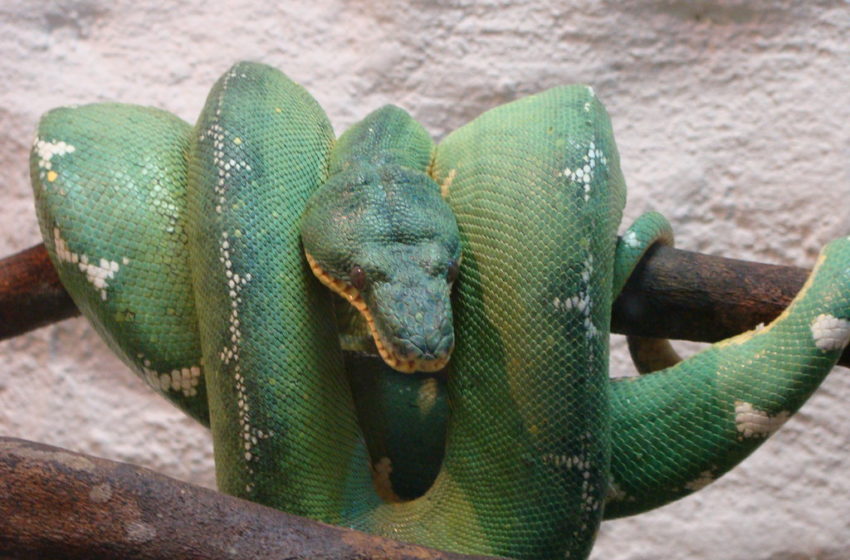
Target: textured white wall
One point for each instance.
(731, 118)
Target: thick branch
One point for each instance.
(59, 504)
(682, 295)
(673, 294)
(690, 296)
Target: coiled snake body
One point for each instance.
(183, 246)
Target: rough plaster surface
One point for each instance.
(731, 118)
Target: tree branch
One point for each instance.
(690, 296)
(672, 294)
(59, 504)
(31, 295)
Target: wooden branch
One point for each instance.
(31, 295)
(59, 504)
(690, 296)
(672, 294)
(682, 295)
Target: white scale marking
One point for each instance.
(752, 422)
(581, 302)
(704, 479)
(631, 239)
(235, 281)
(46, 150)
(583, 172)
(830, 333)
(184, 380)
(97, 274)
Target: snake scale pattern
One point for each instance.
(185, 247)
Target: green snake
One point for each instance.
(199, 254)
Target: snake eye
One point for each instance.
(357, 277)
(454, 268)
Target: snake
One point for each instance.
(405, 337)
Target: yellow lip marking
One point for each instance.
(352, 295)
(447, 184)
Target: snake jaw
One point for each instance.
(353, 296)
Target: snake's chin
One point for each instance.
(406, 365)
(352, 295)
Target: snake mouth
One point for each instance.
(354, 297)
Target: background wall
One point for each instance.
(730, 117)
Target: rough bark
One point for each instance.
(58, 504)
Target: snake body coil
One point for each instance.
(183, 246)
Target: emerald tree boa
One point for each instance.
(202, 254)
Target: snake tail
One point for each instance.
(650, 229)
(679, 429)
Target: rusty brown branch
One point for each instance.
(58, 504)
(673, 294)
(31, 295)
(683, 295)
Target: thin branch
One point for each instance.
(31, 295)
(673, 294)
(59, 504)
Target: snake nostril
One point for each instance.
(445, 345)
(415, 343)
(425, 347)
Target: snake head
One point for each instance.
(381, 237)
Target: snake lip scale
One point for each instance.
(353, 296)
